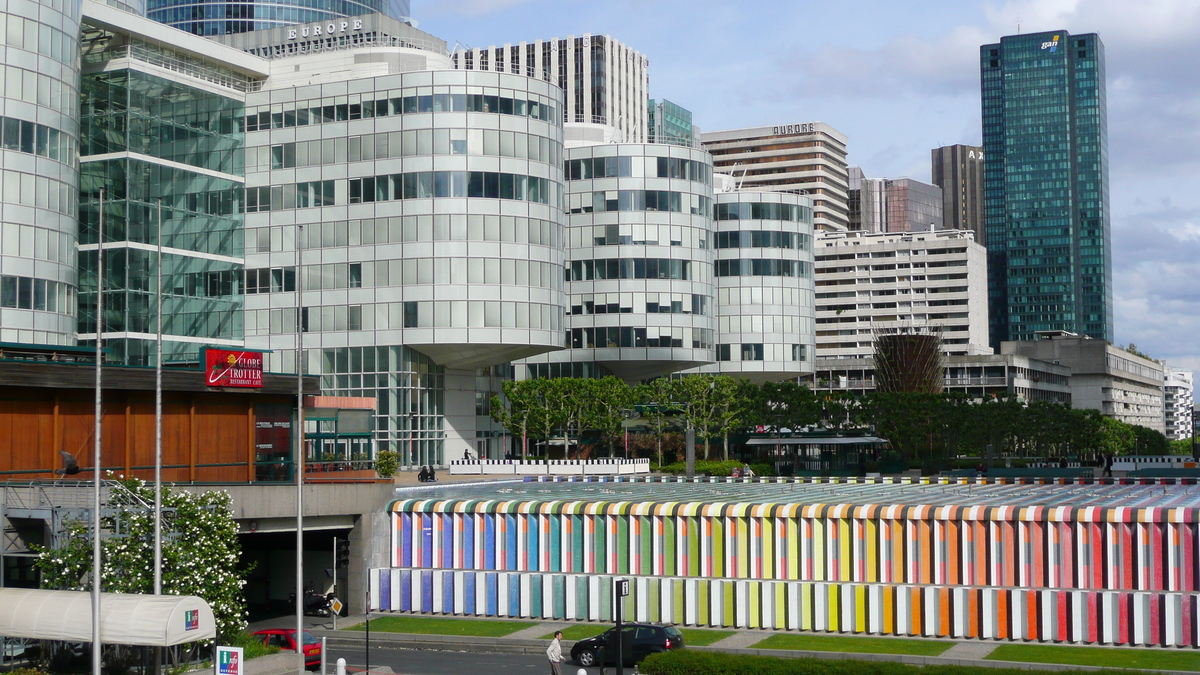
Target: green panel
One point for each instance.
(577, 542)
(693, 544)
(678, 595)
(581, 598)
(702, 588)
(718, 545)
(669, 547)
(601, 540)
(647, 561)
(623, 544)
(729, 604)
(560, 596)
(555, 544)
(780, 605)
(606, 605)
(654, 606)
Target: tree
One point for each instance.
(786, 405)
(702, 399)
(605, 405)
(654, 400)
(518, 410)
(200, 551)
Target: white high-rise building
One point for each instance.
(807, 159)
(886, 282)
(1177, 403)
(605, 84)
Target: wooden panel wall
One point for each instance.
(206, 437)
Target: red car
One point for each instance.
(285, 639)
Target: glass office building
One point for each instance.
(1045, 139)
(671, 123)
(150, 136)
(221, 17)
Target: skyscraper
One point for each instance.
(1045, 142)
(958, 170)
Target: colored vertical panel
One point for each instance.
(426, 540)
(716, 559)
(870, 550)
(845, 549)
(817, 559)
(753, 602)
(517, 600)
(653, 602)
(469, 593)
(670, 566)
(781, 605)
(623, 552)
(489, 541)
(766, 566)
(887, 610)
(792, 542)
(703, 586)
(728, 602)
(385, 590)
(426, 591)
(944, 618)
(554, 530)
(493, 593)
(447, 593)
(646, 555)
(447, 548)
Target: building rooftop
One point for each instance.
(1157, 495)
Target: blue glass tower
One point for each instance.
(222, 17)
(1045, 141)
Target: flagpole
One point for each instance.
(158, 405)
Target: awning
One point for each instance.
(126, 619)
(831, 440)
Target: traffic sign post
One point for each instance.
(621, 591)
(229, 661)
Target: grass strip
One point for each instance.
(702, 637)
(437, 626)
(1110, 657)
(857, 645)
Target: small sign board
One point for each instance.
(224, 368)
(336, 606)
(622, 587)
(191, 619)
(229, 661)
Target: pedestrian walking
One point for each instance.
(554, 653)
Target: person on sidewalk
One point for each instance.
(554, 653)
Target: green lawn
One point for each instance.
(702, 637)
(860, 645)
(1112, 657)
(693, 637)
(435, 626)
(579, 632)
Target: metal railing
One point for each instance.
(180, 64)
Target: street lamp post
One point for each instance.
(299, 434)
(96, 589)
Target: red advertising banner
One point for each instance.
(233, 369)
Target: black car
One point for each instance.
(639, 640)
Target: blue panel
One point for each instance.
(514, 595)
(385, 590)
(426, 540)
(405, 590)
(426, 591)
(531, 551)
(510, 523)
(560, 597)
(469, 521)
(447, 561)
(448, 593)
(493, 593)
(489, 541)
(555, 544)
(468, 593)
(406, 540)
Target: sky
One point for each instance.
(900, 77)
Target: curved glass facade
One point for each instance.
(39, 170)
(208, 17)
(432, 245)
(764, 279)
(639, 232)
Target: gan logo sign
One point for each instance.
(1052, 44)
(191, 619)
(229, 661)
(233, 369)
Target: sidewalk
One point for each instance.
(526, 641)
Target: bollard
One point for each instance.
(341, 667)
(324, 660)
(581, 671)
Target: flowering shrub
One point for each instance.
(200, 551)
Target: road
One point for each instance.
(424, 662)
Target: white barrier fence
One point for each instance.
(1135, 462)
(548, 467)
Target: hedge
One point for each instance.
(694, 662)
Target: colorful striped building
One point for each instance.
(1082, 561)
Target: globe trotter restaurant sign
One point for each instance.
(224, 368)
